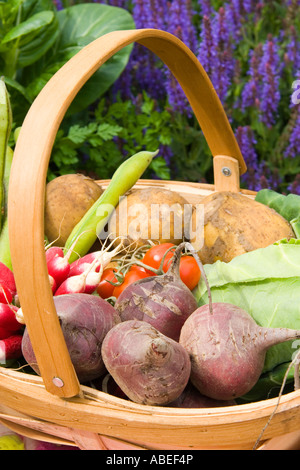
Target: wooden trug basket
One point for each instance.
(55, 407)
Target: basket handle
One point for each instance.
(29, 172)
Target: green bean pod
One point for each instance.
(5, 129)
(85, 233)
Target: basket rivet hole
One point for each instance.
(58, 382)
(226, 171)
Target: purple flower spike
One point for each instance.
(246, 141)
(206, 45)
(293, 148)
(269, 70)
(180, 25)
(252, 89)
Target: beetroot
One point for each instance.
(164, 301)
(192, 398)
(227, 349)
(85, 320)
(149, 367)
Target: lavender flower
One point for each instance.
(294, 187)
(223, 55)
(269, 70)
(206, 8)
(293, 148)
(180, 24)
(252, 89)
(262, 89)
(206, 45)
(143, 70)
(247, 142)
(237, 13)
(292, 55)
(216, 52)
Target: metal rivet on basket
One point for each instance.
(58, 382)
(226, 171)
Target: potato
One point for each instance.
(151, 214)
(68, 197)
(235, 224)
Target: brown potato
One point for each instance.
(235, 224)
(68, 197)
(150, 214)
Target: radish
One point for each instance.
(86, 282)
(4, 333)
(227, 348)
(8, 318)
(85, 320)
(149, 367)
(53, 251)
(80, 265)
(90, 273)
(5, 294)
(99, 258)
(10, 348)
(7, 280)
(53, 284)
(58, 266)
(164, 301)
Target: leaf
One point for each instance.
(16, 85)
(265, 283)
(78, 26)
(32, 25)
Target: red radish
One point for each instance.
(57, 264)
(164, 301)
(5, 294)
(85, 320)
(149, 367)
(10, 348)
(227, 348)
(81, 264)
(53, 251)
(7, 279)
(4, 333)
(8, 318)
(99, 258)
(52, 284)
(89, 279)
(86, 282)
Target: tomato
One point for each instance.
(188, 269)
(131, 276)
(155, 254)
(105, 288)
(138, 269)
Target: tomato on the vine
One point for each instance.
(105, 288)
(189, 271)
(155, 254)
(134, 274)
(188, 268)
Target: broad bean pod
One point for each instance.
(85, 233)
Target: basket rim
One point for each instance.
(92, 397)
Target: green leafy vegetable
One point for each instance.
(36, 40)
(287, 206)
(265, 283)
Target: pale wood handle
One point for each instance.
(29, 171)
